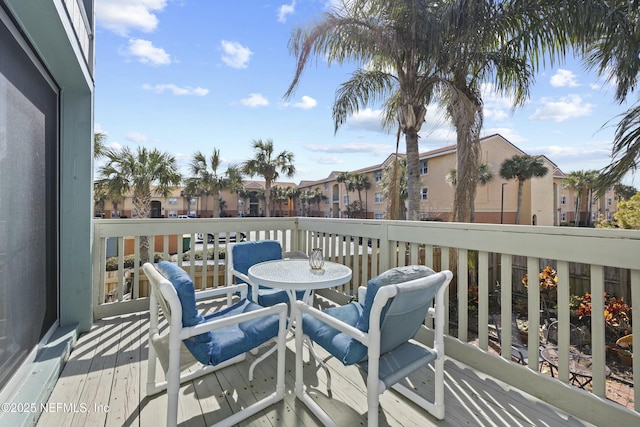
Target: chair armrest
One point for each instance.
(245, 278)
(353, 332)
(223, 290)
(222, 322)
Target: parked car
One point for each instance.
(184, 217)
(222, 237)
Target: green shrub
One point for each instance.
(198, 254)
(112, 263)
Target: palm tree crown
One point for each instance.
(522, 168)
(269, 166)
(207, 179)
(141, 174)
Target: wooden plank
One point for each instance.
(99, 380)
(70, 385)
(125, 395)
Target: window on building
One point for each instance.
(378, 216)
(378, 197)
(378, 176)
(326, 186)
(563, 217)
(424, 167)
(424, 193)
(346, 199)
(193, 201)
(563, 200)
(609, 202)
(173, 214)
(173, 201)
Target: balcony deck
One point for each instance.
(104, 382)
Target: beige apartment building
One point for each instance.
(545, 200)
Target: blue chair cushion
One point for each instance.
(246, 254)
(183, 285)
(389, 277)
(339, 344)
(233, 340)
(217, 346)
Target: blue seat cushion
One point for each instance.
(225, 343)
(217, 346)
(183, 285)
(247, 254)
(389, 277)
(340, 345)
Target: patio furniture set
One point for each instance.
(271, 298)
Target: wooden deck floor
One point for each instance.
(103, 384)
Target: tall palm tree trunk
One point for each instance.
(520, 190)
(413, 174)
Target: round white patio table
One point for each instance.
(294, 275)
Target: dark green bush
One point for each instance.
(112, 263)
(198, 254)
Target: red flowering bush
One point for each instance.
(547, 278)
(617, 313)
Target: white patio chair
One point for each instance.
(215, 341)
(377, 334)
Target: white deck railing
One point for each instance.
(379, 245)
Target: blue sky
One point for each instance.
(193, 75)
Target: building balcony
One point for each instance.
(484, 385)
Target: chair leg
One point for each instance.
(260, 359)
(373, 396)
(317, 358)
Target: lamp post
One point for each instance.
(502, 204)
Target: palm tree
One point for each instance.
(318, 196)
(292, 194)
(522, 168)
(360, 183)
(624, 192)
(484, 176)
(415, 51)
(268, 166)
(610, 31)
(99, 141)
(141, 174)
(277, 196)
(394, 182)
(577, 182)
(209, 181)
(385, 37)
(592, 179)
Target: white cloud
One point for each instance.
(137, 137)
(352, 147)
(145, 52)
(306, 103)
(286, 9)
(328, 160)
(235, 55)
(509, 133)
(122, 16)
(255, 100)
(565, 108)
(564, 78)
(176, 90)
(495, 107)
(367, 119)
